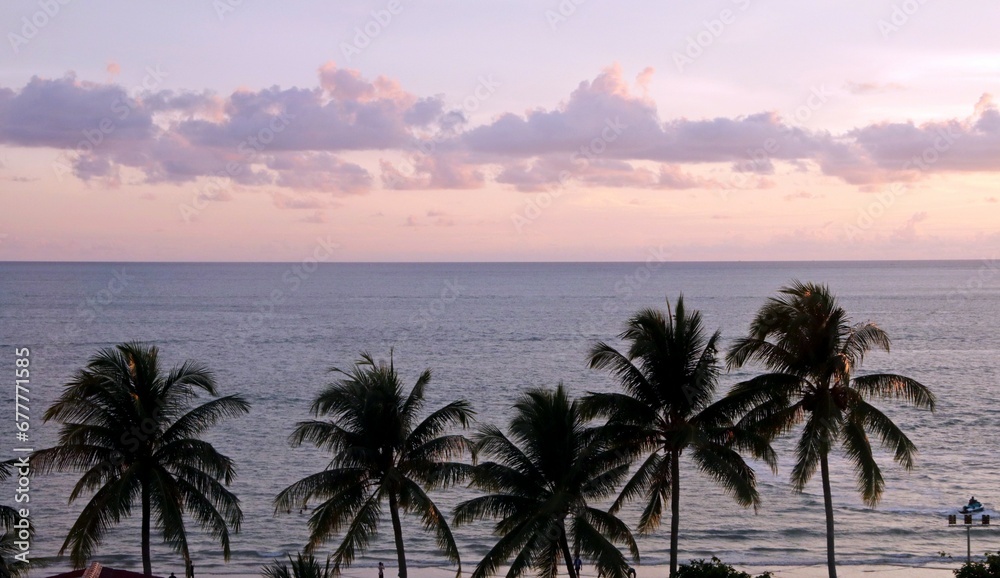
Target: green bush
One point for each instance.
(988, 569)
(713, 569)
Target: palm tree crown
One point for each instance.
(669, 375)
(542, 477)
(131, 430)
(813, 351)
(302, 566)
(381, 452)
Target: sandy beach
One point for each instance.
(813, 571)
(819, 571)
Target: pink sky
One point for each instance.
(536, 131)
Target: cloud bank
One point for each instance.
(607, 133)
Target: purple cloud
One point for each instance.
(607, 133)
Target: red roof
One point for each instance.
(96, 570)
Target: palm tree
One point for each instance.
(10, 566)
(131, 430)
(542, 478)
(8, 515)
(380, 453)
(303, 566)
(812, 349)
(669, 375)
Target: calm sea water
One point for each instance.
(489, 331)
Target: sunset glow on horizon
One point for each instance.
(517, 131)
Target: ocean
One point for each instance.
(489, 331)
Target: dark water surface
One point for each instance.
(489, 331)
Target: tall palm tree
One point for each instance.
(812, 349)
(669, 375)
(130, 428)
(542, 477)
(381, 453)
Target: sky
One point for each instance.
(545, 130)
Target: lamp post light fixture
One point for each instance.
(967, 522)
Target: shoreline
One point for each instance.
(661, 571)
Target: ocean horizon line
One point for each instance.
(501, 262)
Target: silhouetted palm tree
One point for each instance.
(10, 567)
(131, 430)
(813, 350)
(542, 480)
(381, 453)
(669, 375)
(303, 566)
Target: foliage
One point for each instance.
(304, 565)
(990, 568)
(130, 429)
(381, 453)
(813, 351)
(541, 476)
(9, 566)
(669, 375)
(806, 339)
(713, 569)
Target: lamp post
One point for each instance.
(967, 522)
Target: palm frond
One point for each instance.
(891, 386)
(433, 520)
(109, 505)
(729, 471)
(610, 526)
(866, 471)
(457, 414)
(633, 381)
(813, 443)
(362, 528)
(889, 434)
(863, 338)
(204, 416)
(415, 401)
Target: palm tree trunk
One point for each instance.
(397, 532)
(147, 563)
(828, 503)
(564, 544)
(675, 507)
(187, 559)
